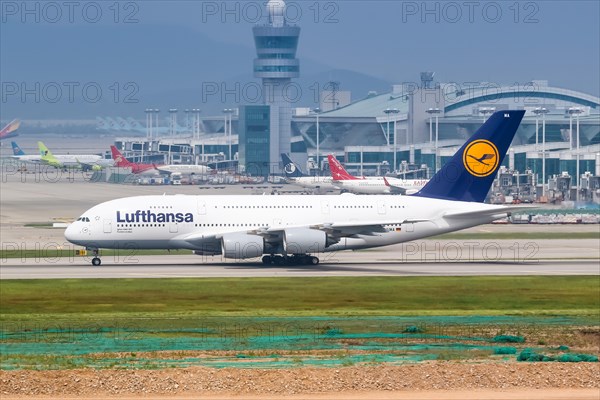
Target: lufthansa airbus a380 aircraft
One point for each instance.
(291, 229)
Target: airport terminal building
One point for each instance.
(411, 130)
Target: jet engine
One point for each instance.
(242, 245)
(304, 241)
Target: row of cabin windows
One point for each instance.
(139, 225)
(197, 225)
(266, 206)
(364, 206)
(215, 225)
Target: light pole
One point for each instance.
(197, 123)
(578, 181)
(396, 111)
(193, 122)
(537, 129)
(187, 119)
(156, 111)
(228, 116)
(387, 112)
(543, 111)
(173, 114)
(576, 111)
(317, 111)
(148, 123)
(435, 111)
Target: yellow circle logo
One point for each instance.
(481, 158)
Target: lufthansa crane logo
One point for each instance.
(290, 168)
(481, 158)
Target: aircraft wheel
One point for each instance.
(314, 260)
(267, 260)
(96, 261)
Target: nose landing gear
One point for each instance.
(96, 261)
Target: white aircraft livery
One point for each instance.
(294, 175)
(371, 185)
(291, 229)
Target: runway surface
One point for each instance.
(191, 267)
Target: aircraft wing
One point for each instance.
(88, 166)
(337, 230)
(334, 231)
(162, 171)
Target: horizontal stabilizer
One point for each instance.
(488, 212)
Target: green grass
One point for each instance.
(519, 235)
(527, 295)
(41, 225)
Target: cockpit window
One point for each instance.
(83, 219)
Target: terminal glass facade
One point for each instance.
(254, 140)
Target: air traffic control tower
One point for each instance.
(276, 64)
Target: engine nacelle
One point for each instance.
(242, 245)
(304, 241)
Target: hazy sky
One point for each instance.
(168, 47)
(501, 41)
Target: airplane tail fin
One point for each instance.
(10, 128)
(48, 157)
(338, 172)
(470, 173)
(16, 149)
(45, 152)
(290, 169)
(120, 161)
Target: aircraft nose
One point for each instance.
(71, 233)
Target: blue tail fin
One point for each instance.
(468, 176)
(16, 149)
(290, 169)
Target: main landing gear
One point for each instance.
(96, 261)
(296, 259)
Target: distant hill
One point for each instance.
(138, 66)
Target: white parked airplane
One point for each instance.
(79, 161)
(183, 169)
(292, 228)
(294, 175)
(372, 185)
(20, 155)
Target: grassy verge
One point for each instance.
(527, 295)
